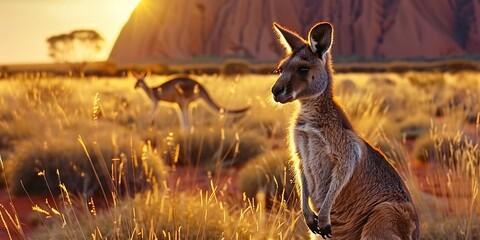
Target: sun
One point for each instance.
(123, 8)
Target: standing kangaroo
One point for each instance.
(181, 91)
(348, 188)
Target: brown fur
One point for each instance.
(348, 188)
(181, 91)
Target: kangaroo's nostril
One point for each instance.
(277, 90)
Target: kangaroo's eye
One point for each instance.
(303, 70)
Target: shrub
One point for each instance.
(426, 80)
(414, 127)
(211, 148)
(346, 87)
(360, 105)
(85, 165)
(447, 150)
(381, 81)
(271, 175)
(268, 128)
(453, 99)
(461, 65)
(398, 67)
(13, 131)
(236, 68)
(209, 70)
(451, 227)
(365, 113)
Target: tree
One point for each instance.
(75, 49)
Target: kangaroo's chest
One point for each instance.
(318, 144)
(311, 142)
(315, 151)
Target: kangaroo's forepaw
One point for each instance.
(312, 223)
(326, 231)
(324, 227)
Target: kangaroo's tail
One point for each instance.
(204, 94)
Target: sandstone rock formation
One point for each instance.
(184, 31)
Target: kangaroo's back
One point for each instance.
(181, 91)
(192, 90)
(178, 89)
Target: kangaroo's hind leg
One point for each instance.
(391, 221)
(183, 116)
(153, 114)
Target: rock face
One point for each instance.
(183, 31)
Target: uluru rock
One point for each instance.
(185, 31)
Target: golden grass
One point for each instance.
(108, 113)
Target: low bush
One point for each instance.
(366, 113)
(84, 164)
(236, 68)
(271, 175)
(211, 148)
(450, 150)
(14, 131)
(413, 127)
(451, 227)
(426, 80)
(268, 128)
(346, 87)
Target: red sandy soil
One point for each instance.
(20, 207)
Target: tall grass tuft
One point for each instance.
(269, 176)
(212, 149)
(168, 215)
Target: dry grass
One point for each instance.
(163, 215)
(41, 128)
(269, 179)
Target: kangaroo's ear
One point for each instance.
(287, 38)
(320, 38)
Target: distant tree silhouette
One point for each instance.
(75, 49)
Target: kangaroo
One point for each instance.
(181, 91)
(348, 189)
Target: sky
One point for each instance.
(26, 24)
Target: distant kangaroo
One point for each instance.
(348, 189)
(181, 91)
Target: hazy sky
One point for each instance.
(26, 24)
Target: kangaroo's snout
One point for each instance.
(277, 90)
(281, 94)
(282, 90)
